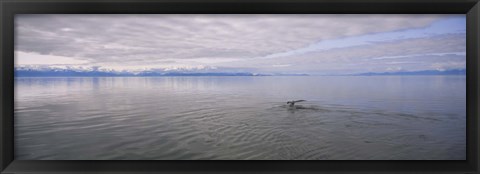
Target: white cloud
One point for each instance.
(284, 65)
(66, 29)
(29, 58)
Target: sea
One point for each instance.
(240, 118)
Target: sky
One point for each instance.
(261, 43)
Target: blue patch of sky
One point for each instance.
(450, 25)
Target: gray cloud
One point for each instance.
(173, 36)
(413, 54)
(151, 40)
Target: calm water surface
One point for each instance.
(344, 118)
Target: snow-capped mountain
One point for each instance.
(68, 70)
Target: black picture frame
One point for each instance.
(9, 8)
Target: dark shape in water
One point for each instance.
(292, 103)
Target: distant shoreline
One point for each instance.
(72, 73)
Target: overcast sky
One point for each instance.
(314, 44)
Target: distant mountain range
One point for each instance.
(39, 71)
(426, 72)
(73, 73)
(42, 71)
